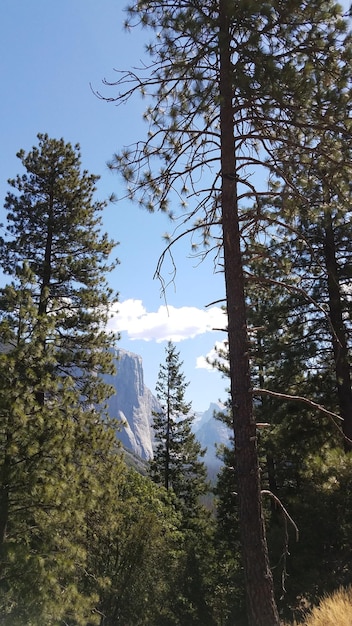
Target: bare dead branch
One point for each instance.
(287, 516)
(284, 396)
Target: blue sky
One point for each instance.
(50, 54)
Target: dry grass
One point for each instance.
(333, 610)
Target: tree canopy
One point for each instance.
(234, 89)
(56, 444)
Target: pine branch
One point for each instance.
(290, 398)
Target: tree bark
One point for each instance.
(339, 338)
(5, 479)
(46, 275)
(261, 605)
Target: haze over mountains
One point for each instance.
(134, 405)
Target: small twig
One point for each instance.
(287, 516)
(215, 302)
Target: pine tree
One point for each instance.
(57, 448)
(315, 236)
(53, 225)
(225, 80)
(177, 465)
(177, 461)
(291, 438)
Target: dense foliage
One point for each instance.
(55, 445)
(177, 463)
(241, 96)
(250, 127)
(249, 122)
(178, 466)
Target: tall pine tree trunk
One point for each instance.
(339, 339)
(262, 610)
(5, 478)
(46, 271)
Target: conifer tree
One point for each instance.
(225, 80)
(178, 467)
(291, 439)
(53, 225)
(177, 461)
(56, 445)
(315, 238)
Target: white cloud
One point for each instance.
(205, 362)
(202, 364)
(167, 323)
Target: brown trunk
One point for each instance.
(4, 511)
(5, 478)
(262, 610)
(168, 437)
(339, 339)
(46, 277)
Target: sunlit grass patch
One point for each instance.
(333, 610)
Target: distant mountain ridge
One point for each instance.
(134, 405)
(212, 433)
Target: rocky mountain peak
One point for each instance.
(133, 403)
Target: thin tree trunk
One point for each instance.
(168, 436)
(4, 506)
(261, 605)
(270, 462)
(46, 276)
(339, 339)
(5, 478)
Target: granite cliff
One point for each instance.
(133, 404)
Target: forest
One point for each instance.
(247, 145)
